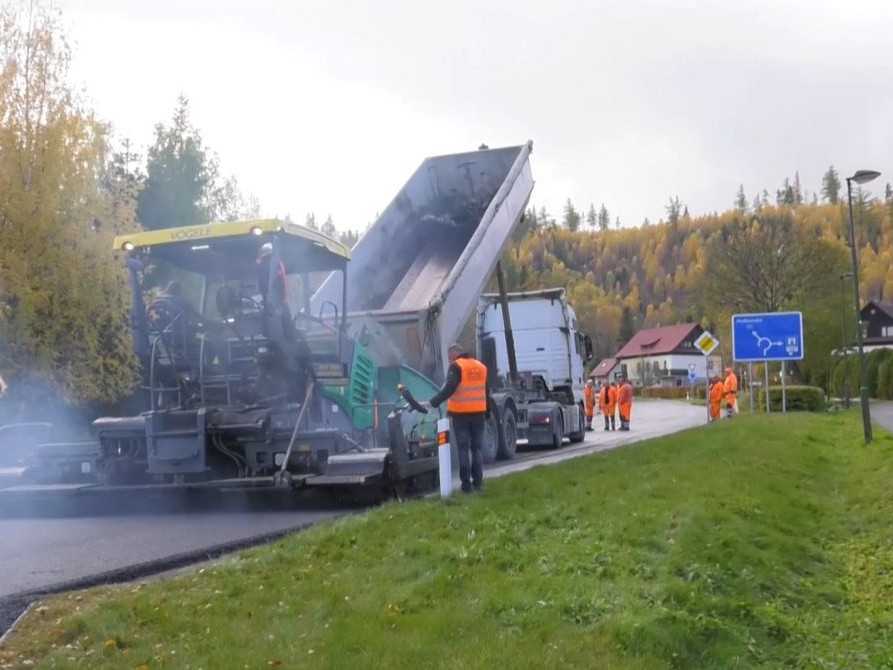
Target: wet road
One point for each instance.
(138, 536)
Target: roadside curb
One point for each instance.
(15, 606)
(9, 631)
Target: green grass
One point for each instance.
(760, 542)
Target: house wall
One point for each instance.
(670, 365)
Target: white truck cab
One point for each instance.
(549, 350)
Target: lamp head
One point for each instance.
(864, 176)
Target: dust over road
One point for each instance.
(132, 539)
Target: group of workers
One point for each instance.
(723, 390)
(468, 405)
(468, 401)
(610, 396)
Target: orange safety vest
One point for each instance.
(730, 386)
(625, 399)
(470, 396)
(717, 391)
(589, 400)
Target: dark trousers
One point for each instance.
(609, 418)
(468, 434)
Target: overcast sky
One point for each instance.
(329, 106)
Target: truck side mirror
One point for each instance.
(587, 347)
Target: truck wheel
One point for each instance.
(491, 439)
(558, 434)
(580, 434)
(508, 436)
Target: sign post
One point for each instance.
(770, 336)
(706, 344)
(750, 384)
(784, 400)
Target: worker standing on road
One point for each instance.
(468, 407)
(730, 388)
(589, 402)
(625, 400)
(717, 391)
(607, 401)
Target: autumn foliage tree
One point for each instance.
(63, 293)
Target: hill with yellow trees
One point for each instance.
(753, 258)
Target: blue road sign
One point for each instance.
(774, 336)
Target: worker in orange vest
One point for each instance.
(625, 400)
(607, 402)
(589, 402)
(730, 388)
(717, 391)
(468, 405)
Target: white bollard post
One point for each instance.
(444, 458)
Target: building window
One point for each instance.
(887, 331)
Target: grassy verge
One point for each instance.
(759, 542)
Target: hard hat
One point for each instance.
(266, 248)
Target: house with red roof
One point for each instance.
(603, 371)
(662, 356)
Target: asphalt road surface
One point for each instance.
(133, 537)
(882, 413)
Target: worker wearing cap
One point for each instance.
(589, 402)
(468, 405)
(730, 389)
(625, 401)
(717, 391)
(607, 402)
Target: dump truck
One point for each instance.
(535, 354)
(274, 357)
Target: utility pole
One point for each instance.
(846, 346)
(861, 177)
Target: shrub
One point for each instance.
(845, 372)
(799, 399)
(873, 362)
(885, 380)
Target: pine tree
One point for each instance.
(571, 216)
(328, 227)
(757, 204)
(674, 211)
(604, 219)
(180, 175)
(741, 200)
(785, 195)
(831, 186)
(617, 222)
(646, 222)
(310, 221)
(798, 192)
(591, 217)
(627, 328)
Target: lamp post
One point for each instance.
(861, 177)
(846, 346)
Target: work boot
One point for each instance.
(466, 487)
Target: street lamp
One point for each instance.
(861, 177)
(846, 372)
